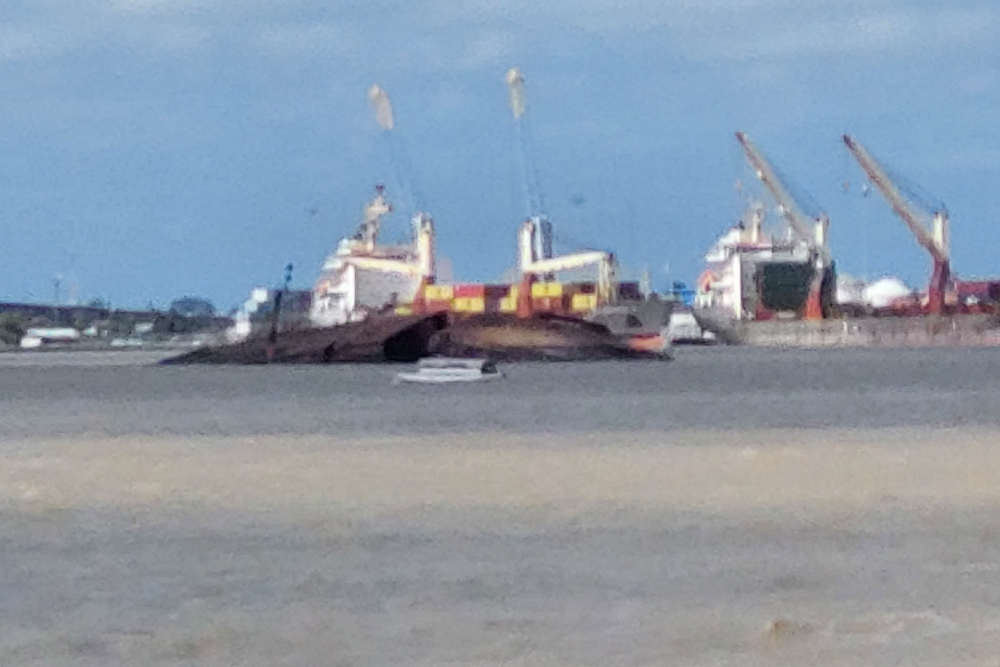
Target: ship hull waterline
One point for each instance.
(962, 330)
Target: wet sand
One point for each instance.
(696, 470)
(689, 547)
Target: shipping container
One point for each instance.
(475, 290)
(539, 290)
(439, 293)
(583, 303)
(469, 304)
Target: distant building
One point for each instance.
(255, 314)
(191, 306)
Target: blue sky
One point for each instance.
(155, 148)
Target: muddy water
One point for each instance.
(728, 388)
(793, 509)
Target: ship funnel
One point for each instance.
(383, 108)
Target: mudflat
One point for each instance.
(694, 547)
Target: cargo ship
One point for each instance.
(361, 278)
(751, 276)
(757, 291)
(625, 308)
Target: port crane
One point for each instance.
(535, 255)
(811, 232)
(935, 241)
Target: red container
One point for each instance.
(473, 290)
(437, 306)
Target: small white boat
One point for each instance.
(448, 369)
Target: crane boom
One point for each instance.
(811, 232)
(385, 265)
(400, 164)
(536, 204)
(935, 241)
(799, 223)
(533, 265)
(937, 247)
(519, 107)
(567, 262)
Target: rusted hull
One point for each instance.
(541, 338)
(382, 339)
(377, 339)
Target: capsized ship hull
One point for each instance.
(392, 338)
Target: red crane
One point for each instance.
(935, 240)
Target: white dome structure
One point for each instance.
(884, 291)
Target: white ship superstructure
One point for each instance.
(728, 281)
(361, 277)
(749, 274)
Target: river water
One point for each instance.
(744, 507)
(723, 388)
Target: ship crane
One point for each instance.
(363, 252)
(532, 266)
(542, 227)
(812, 232)
(934, 241)
(535, 256)
(418, 262)
(421, 263)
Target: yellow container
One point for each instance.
(469, 304)
(404, 310)
(439, 292)
(540, 290)
(508, 305)
(583, 303)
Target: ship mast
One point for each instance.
(934, 241)
(368, 230)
